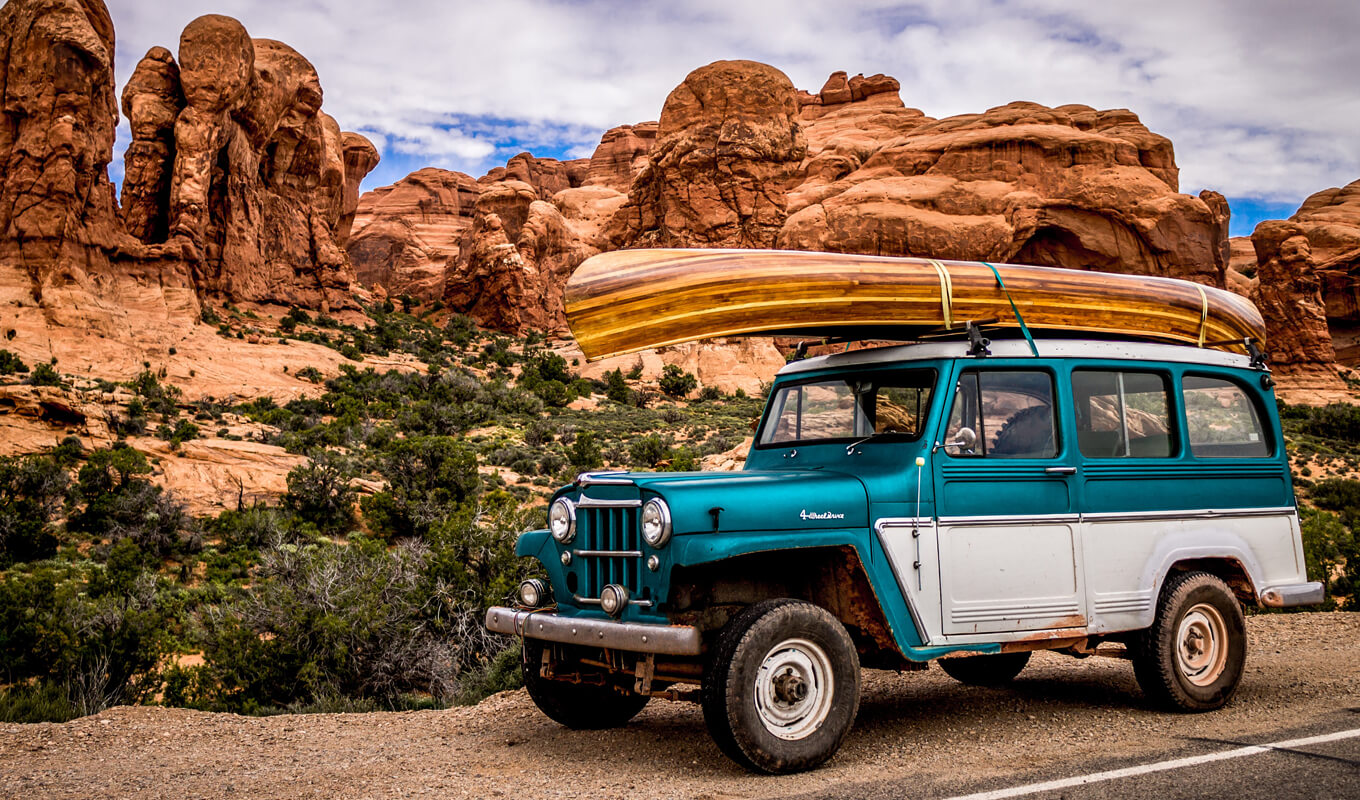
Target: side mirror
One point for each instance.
(965, 439)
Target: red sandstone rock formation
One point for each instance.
(1289, 295)
(728, 144)
(1068, 187)
(548, 176)
(407, 234)
(621, 156)
(264, 183)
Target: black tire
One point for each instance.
(765, 693)
(997, 669)
(1192, 657)
(578, 706)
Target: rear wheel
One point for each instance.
(782, 687)
(578, 706)
(989, 670)
(1192, 657)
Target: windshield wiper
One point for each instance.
(850, 448)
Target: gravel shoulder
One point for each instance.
(922, 728)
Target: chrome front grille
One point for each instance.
(609, 546)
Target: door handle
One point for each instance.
(1061, 470)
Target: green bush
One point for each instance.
(44, 375)
(648, 450)
(11, 364)
(428, 479)
(675, 382)
(584, 453)
(32, 491)
(321, 493)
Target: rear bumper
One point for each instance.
(1297, 594)
(671, 640)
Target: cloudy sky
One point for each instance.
(1259, 96)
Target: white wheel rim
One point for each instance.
(794, 689)
(1202, 645)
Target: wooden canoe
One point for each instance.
(630, 300)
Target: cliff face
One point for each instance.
(237, 188)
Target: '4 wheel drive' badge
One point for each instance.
(805, 514)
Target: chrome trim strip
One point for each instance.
(1051, 519)
(1299, 594)
(1208, 513)
(595, 502)
(674, 640)
(607, 553)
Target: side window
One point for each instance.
(1122, 414)
(1004, 415)
(1221, 419)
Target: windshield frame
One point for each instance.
(877, 378)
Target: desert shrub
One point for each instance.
(356, 620)
(32, 491)
(255, 527)
(160, 398)
(683, 459)
(428, 478)
(648, 450)
(496, 673)
(1336, 421)
(310, 374)
(675, 382)
(584, 453)
(44, 375)
(11, 364)
(94, 637)
(320, 492)
(1341, 495)
(1332, 554)
(616, 388)
(183, 431)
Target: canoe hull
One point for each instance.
(631, 300)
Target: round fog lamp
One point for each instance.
(656, 523)
(562, 520)
(532, 593)
(614, 599)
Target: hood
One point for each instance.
(758, 500)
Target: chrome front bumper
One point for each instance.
(1298, 594)
(671, 640)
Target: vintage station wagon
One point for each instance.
(961, 501)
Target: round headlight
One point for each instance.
(533, 593)
(562, 520)
(614, 599)
(656, 522)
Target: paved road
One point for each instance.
(1320, 760)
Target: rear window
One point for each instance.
(1221, 419)
(1122, 414)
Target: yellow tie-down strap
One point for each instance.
(946, 292)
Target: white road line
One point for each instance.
(1160, 766)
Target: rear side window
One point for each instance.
(1221, 419)
(1122, 414)
(1003, 415)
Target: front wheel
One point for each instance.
(1192, 657)
(782, 687)
(579, 706)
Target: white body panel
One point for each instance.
(999, 576)
(1014, 579)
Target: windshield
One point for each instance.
(849, 407)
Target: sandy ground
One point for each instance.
(922, 727)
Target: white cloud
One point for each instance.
(1258, 96)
